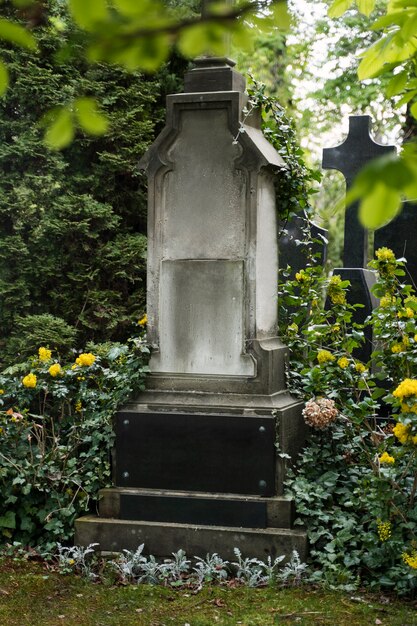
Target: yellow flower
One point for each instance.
(397, 348)
(335, 291)
(407, 387)
(407, 312)
(71, 561)
(78, 406)
(86, 358)
(30, 380)
(55, 369)
(143, 321)
(359, 367)
(323, 356)
(1, 392)
(386, 300)
(301, 276)
(335, 328)
(401, 431)
(343, 362)
(338, 298)
(384, 530)
(410, 559)
(1, 431)
(385, 254)
(44, 354)
(386, 458)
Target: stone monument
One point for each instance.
(200, 456)
(358, 149)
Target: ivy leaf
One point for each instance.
(89, 117)
(4, 78)
(8, 520)
(14, 33)
(61, 129)
(339, 7)
(379, 206)
(87, 13)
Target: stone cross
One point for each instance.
(349, 158)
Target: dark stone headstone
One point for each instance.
(400, 236)
(349, 158)
(293, 248)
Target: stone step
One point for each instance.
(162, 539)
(211, 509)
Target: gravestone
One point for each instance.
(198, 458)
(400, 235)
(300, 240)
(349, 158)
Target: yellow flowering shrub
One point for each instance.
(55, 369)
(85, 359)
(360, 367)
(386, 458)
(343, 362)
(143, 321)
(384, 530)
(44, 354)
(410, 559)
(407, 387)
(385, 254)
(402, 432)
(30, 380)
(324, 356)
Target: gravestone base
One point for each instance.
(162, 539)
(201, 481)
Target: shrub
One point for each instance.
(356, 482)
(56, 435)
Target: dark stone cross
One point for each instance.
(349, 158)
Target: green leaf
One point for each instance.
(17, 34)
(202, 38)
(4, 78)
(372, 61)
(397, 84)
(379, 206)
(88, 13)
(133, 8)
(281, 15)
(365, 6)
(61, 130)
(413, 110)
(339, 7)
(8, 520)
(89, 117)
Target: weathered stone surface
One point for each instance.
(161, 539)
(216, 403)
(222, 509)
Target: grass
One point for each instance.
(31, 595)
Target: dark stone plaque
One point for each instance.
(195, 452)
(193, 510)
(293, 250)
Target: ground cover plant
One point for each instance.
(356, 483)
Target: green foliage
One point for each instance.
(293, 184)
(395, 50)
(356, 481)
(72, 224)
(40, 330)
(56, 435)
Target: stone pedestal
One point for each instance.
(197, 460)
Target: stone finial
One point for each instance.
(213, 74)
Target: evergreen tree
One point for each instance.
(72, 223)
